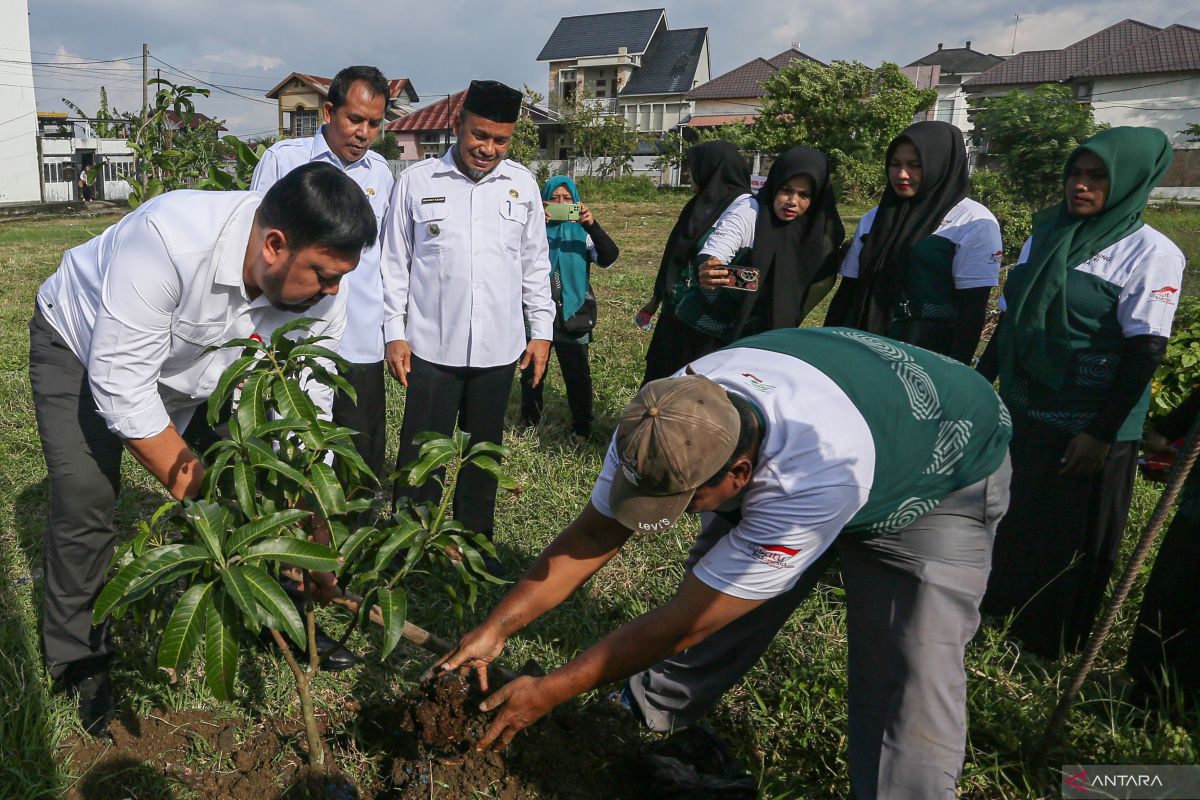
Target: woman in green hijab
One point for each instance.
(1087, 313)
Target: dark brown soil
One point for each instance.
(424, 745)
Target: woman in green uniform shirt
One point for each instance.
(923, 262)
(1087, 313)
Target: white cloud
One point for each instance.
(242, 59)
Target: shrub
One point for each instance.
(856, 181)
(1179, 372)
(1014, 215)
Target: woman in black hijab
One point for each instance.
(720, 176)
(923, 262)
(789, 233)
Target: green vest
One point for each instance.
(937, 425)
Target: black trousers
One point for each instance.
(368, 417)
(1057, 547)
(83, 462)
(437, 398)
(577, 375)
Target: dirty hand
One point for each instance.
(474, 651)
(524, 702)
(537, 352)
(399, 360)
(585, 215)
(714, 275)
(1085, 455)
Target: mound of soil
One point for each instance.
(425, 744)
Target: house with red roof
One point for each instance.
(1130, 73)
(427, 132)
(301, 96)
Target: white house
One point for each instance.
(1130, 73)
(630, 63)
(955, 66)
(69, 148)
(18, 110)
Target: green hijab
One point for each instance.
(569, 255)
(1034, 332)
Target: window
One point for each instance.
(1083, 92)
(566, 76)
(945, 110)
(304, 123)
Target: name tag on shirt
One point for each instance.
(427, 200)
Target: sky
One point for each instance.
(250, 46)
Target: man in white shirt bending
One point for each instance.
(466, 269)
(354, 116)
(119, 360)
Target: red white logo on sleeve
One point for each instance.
(1165, 295)
(774, 555)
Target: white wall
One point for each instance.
(1169, 105)
(734, 105)
(20, 178)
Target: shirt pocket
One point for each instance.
(513, 216)
(189, 340)
(429, 227)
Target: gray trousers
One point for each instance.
(83, 462)
(912, 604)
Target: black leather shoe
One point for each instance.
(94, 694)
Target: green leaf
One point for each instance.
(437, 459)
(316, 351)
(210, 521)
(220, 646)
(155, 562)
(309, 555)
(238, 589)
(353, 543)
(476, 561)
(185, 628)
(263, 456)
(267, 429)
(398, 538)
(296, 324)
(489, 465)
(229, 379)
(498, 451)
(212, 476)
(462, 440)
(294, 402)
(348, 453)
(251, 410)
(189, 557)
(278, 610)
(393, 603)
(429, 436)
(244, 488)
(264, 526)
(327, 490)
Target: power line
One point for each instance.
(213, 85)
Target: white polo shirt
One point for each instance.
(363, 342)
(466, 264)
(815, 470)
(140, 303)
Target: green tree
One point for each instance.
(263, 488)
(387, 146)
(673, 147)
(523, 147)
(104, 123)
(1192, 132)
(1031, 135)
(598, 134)
(847, 109)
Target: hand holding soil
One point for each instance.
(521, 703)
(476, 650)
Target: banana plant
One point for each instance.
(283, 496)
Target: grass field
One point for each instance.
(787, 719)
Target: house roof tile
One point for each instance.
(1048, 66)
(746, 80)
(433, 117)
(958, 60)
(320, 84)
(601, 34)
(1173, 49)
(669, 64)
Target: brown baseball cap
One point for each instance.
(672, 438)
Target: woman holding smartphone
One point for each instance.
(922, 263)
(720, 177)
(576, 242)
(770, 259)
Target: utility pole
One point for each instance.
(141, 172)
(1016, 22)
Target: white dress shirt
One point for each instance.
(139, 304)
(466, 265)
(363, 342)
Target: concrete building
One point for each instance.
(629, 63)
(70, 148)
(947, 68)
(736, 96)
(19, 179)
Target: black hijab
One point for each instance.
(722, 175)
(901, 223)
(791, 255)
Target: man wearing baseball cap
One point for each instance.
(805, 443)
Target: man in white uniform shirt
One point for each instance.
(118, 360)
(465, 270)
(354, 116)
